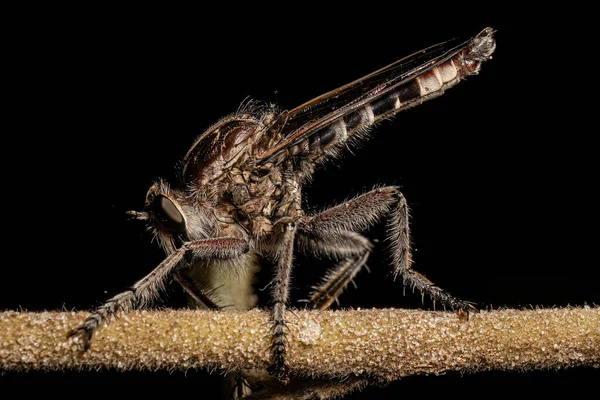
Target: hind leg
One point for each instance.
(329, 232)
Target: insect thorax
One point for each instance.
(222, 163)
(257, 198)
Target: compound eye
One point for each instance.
(168, 215)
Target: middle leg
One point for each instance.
(349, 248)
(281, 283)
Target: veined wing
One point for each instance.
(332, 118)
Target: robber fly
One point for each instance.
(241, 188)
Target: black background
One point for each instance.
(499, 172)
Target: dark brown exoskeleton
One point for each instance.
(241, 196)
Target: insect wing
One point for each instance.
(305, 120)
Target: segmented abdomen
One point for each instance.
(429, 85)
(424, 87)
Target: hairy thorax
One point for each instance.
(256, 199)
(222, 163)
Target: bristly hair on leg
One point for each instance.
(280, 294)
(148, 288)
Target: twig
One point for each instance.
(368, 345)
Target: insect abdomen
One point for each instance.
(349, 111)
(427, 86)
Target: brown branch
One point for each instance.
(363, 345)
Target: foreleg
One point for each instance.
(148, 288)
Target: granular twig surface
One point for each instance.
(377, 344)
